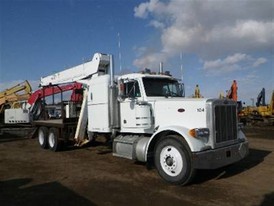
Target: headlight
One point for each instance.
(200, 133)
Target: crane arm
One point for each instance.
(50, 90)
(232, 93)
(15, 89)
(261, 98)
(99, 63)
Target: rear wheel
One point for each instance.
(173, 160)
(43, 137)
(53, 139)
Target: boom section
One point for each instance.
(99, 63)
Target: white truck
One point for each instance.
(148, 120)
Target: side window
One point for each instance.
(173, 88)
(132, 89)
(165, 90)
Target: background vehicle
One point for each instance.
(262, 113)
(14, 98)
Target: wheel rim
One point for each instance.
(171, 161)
(51, 140)
(41, 137)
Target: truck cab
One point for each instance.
(154, 123)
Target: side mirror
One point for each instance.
(127, 89)
(121, 90)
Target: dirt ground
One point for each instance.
(92, 176)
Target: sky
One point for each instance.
(204, 42)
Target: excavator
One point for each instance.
(263, 110)
(261, 113)
(243, 112)
(261, 98)
(12, 97)
(233, 95)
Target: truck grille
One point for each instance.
(225, 123)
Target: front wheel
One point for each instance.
(173, 160)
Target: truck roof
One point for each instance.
(141, 75)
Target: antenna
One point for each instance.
(181, 60)
(119, 48)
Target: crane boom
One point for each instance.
(99, 63)
(261, 98)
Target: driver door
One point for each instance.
(128, 106)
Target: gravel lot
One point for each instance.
(92, 176)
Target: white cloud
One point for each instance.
(151, 60)
(157, 24)
(235, 62)
(210, 29)
(259, 61)
(144, 9)
(229, 61)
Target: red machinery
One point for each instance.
(34, 101)
(232, 93)
(50, 90)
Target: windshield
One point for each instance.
(162, 87)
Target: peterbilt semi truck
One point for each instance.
(147, 120)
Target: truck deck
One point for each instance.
(60, 123)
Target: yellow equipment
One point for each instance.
(10, 98)
(268, 110)
(259, 113)
(197, 93)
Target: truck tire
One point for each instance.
(37, 110)
(43, 137)
(172, 158)
(53, 139)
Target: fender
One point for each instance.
(194, 144)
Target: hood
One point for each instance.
(179, 111)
